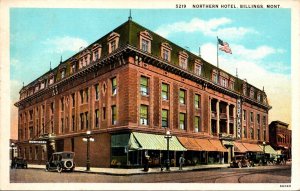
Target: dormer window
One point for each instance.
(73, 68)
(145, 41)
(51, 79)
(244, 89)
(36, 88)
(84, 58)
(113, 42)
(264, 100)
(183, 57)
(166, 52)
(224, 82)
(198, 67)
(96, 52)
(231, 83)
(62, 73)
(224, 79)
(251, 92)
(215, 76)
(42, 84)
(258, 96)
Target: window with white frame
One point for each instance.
(144, 115)
(182, 122)
(197, 124)
(164, 118)
(165, 91)
(183, 59)
(144, 86)
(113, 42)
(166, 52)
(145, 41)
(198, 69)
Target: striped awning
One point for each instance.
(147, 141)
(268, 149)
(218, 145)
(189, 144)
(252, 147)
(239, 147)
(206, 145)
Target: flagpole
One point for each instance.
(217, 52)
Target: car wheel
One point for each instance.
(47, 168)
(240, 165)
(59, 168)
(248, 164)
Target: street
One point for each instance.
(262, 174)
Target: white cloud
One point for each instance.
(209, 28)
(66, 43)
(277, 86)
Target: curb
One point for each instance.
(142, 172)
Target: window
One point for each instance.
(31, 132)
(81, 96)
(258, 97)
(87, 95)
(224, 82)
(264, 121)
(231, 85)
(164, 118)
(258, 134)
(145, 45)
(197, 124)
(62, 125)
(198, 68)
(96, 55)
(182, 96)
(97, 91)
(113, 42)
(97, 118)
(114, 86)
(244, 89)
(86, 120)
(182, 124)
(258, 119)
(113, 46)
(51, 80)
(30, 114)
(144, 85)
(63, 73)
(145, 41)
(144, 115)
(183, 63)
(244, 115)
(166, 54)
(251, 92)
(252, 133)
(197, 101)
(165, 91)
(103, 113)
(245, 132)
(62, 104)
(113, 115)
(73, 68)
(81, 121)
(43, 84)
(73, 99)
(251, 117)
(52, 127)
(73, 123)
(215, 78)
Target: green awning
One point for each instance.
(268, 149)
(156, 142)
(133, 144)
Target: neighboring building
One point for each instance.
(128, 88)
(281, 137)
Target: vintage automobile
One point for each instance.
(19, 162)
(60, 161)
(240, 161)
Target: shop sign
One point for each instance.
(239, 118)
(37, 142)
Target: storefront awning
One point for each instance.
(189, 144)
(155, 142)
(252, 147)
(206, 145)
(218, 145)
(268, 149)
(239, 147)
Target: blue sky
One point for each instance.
(260, 40)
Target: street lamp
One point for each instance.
(12, 154)
(264, 145)
(88, 138)
(168, 136)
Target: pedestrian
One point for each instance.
(181, 161)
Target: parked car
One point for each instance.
(240, 161)
(60, 161)
(19, 162)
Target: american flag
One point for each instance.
(224, 46)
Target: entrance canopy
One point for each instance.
(146, 141)
(268, 149)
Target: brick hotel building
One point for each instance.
(127, 88)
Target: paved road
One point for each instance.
(267, 174)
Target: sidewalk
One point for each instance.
(137, 171)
